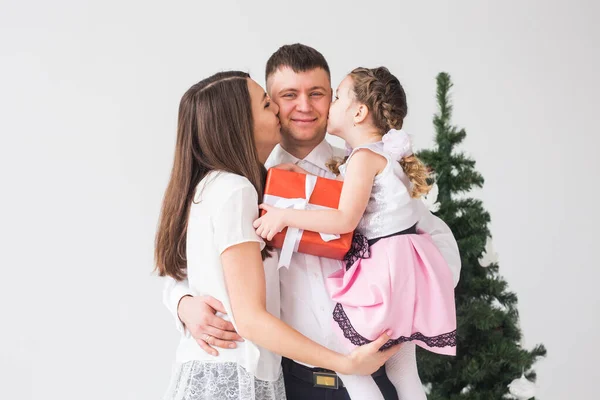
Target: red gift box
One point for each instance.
(323, 193)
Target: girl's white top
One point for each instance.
(390, 208)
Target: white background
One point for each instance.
(88, 100)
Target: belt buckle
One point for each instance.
(326, 380)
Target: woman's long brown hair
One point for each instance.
(214, 132)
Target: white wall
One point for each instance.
(88, 98)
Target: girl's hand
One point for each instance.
(271, 223)
(365, 360)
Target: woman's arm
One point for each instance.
(245, 280)
(360, 173)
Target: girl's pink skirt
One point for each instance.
(404, 285)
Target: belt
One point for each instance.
(409, 231)
(318, 377)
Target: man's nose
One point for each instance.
(303, 104)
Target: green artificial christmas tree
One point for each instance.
(489, 354)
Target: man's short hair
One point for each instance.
(298, 57)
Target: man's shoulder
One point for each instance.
(338, 152)
(335, 151)
(277, 156)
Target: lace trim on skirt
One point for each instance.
(198, 380)
(339, 316)
(359, 249)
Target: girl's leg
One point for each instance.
(361, 387)
(402, 371)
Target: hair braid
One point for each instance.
(385, 98)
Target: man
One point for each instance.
(299, 82)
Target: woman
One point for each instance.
(226, 129)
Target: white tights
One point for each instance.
(401, 369)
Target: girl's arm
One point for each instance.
(245, 280)
(360, 173)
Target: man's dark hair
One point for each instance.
(298, 57)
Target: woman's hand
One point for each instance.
(365, 360)
(271, 223)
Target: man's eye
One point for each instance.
(288, 95)
(316, 94)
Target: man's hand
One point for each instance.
(198, 315)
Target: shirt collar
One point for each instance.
(279, 156)
(319, 156)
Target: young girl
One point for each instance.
(394, 278)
